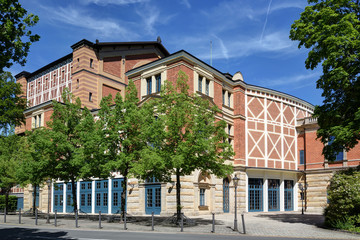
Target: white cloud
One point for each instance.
(186, 3)
(300, 81)
(100, 26)
(115, 2)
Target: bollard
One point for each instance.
(19, 215)
(152, 221)
(36, 216)
(99, 219)
(125, 228)
(55, 220)
(213, 223)
(243, 222)
(4, 215)
(182, 222)
(76, 219)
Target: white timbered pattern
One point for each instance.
(49, 84)
(270, 130)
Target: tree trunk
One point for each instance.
(73, 187)
(34, 198)
(6, 210)
(123, 195)
(178, 202)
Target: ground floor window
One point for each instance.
(255, 194)
(288, 195)
(202, 197)
(273, 194)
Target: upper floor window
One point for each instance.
(207, 87)
(37, 121)
(302, 157)
(158, 82)
(200, 84)
(90, 97)
(223, 97)
(229, 99)
(339, 156)
(91, 63)
(148, 85)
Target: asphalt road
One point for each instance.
(9, 232)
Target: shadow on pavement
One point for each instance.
(28, 233)
(316, 220)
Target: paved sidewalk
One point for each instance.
(257, 224)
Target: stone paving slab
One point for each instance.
(257, 224)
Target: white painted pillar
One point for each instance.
(109, 196)
(52, 196)
(78, 194)
(64, 200)
(93, 197)
(281, 195)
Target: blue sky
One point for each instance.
(248, 36)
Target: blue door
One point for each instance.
(101, 196)
(273, 194)
(36, 197)
(69, 198)
(153, 198)
(226, 204)
(58, 197)
(85, 197)
(20, 203)
(116, 191)
(255, 194)
(288, 195)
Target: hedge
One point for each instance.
(343, 210)
(12, 204)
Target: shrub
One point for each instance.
(12, 205)
(343, 210)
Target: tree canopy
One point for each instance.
(12, 104)
(15, 37)
(119, 128)
(331, 30)
(69, 128)
(185, 136)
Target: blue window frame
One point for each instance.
(116, 191)
(288, 195)
(85, 197)
(255, 187)
(153, 198)
(36, 197)
(20, 203)
(200, 83)
(69, 198)
(149, 85)
(158, 82)
(101, 196)
(273, 194)
(202, 196)
(302, 157)
(58, 197)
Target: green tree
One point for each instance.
(15, 37)
(184, 137)
(36, 167)
(68, 128)
(10, 157)
(120, 129)
(331, 30)
(12, 104)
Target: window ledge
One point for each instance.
(230, 108)
(203, 208)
